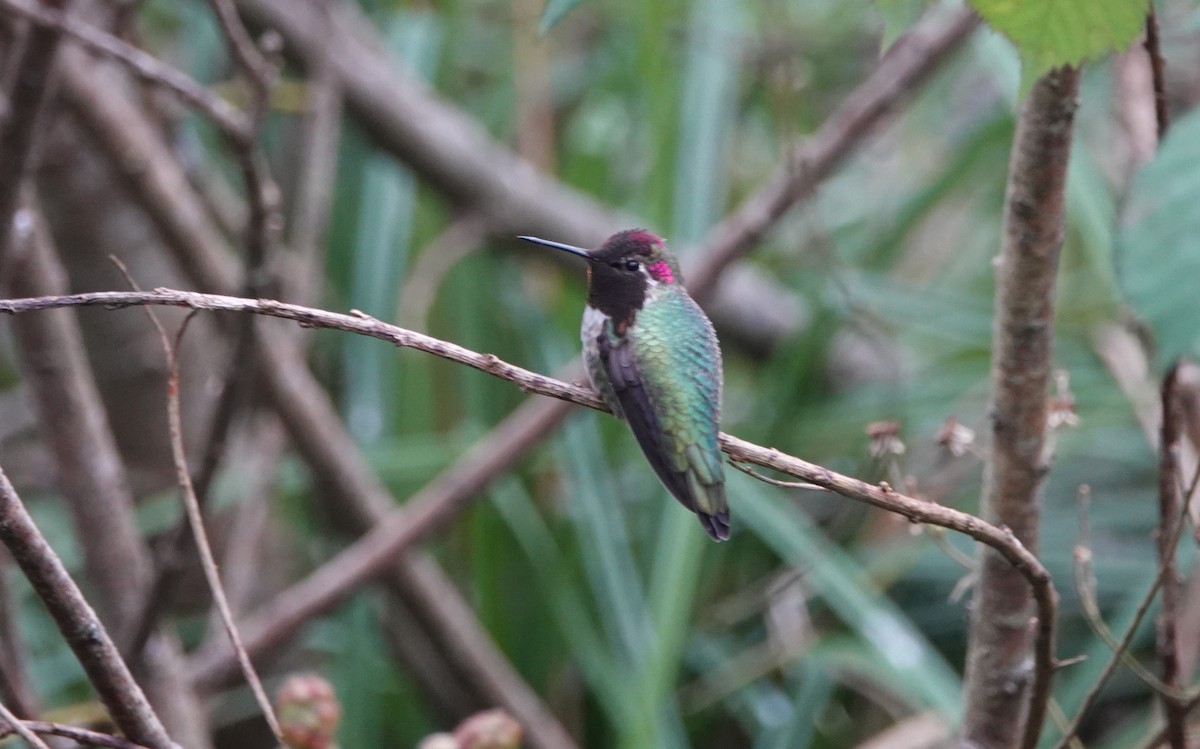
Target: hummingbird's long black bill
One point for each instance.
(558, 246)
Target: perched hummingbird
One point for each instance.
(653, 357)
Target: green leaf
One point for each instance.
(1051, 33)
(1158, 250)
(555, 11)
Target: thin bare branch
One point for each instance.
(83, 736)
(429, 509)
(144, 66)
(15, 687)
(19, 128)
(1123, 646)
(907, 65)
(18, 726)
(196, 518)
(78, 623)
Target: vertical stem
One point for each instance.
(1005, 695)
(1169, 504)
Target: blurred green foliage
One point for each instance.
(821, 622)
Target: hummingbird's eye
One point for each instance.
(632, 265)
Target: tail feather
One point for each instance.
(710, 505)
(716, 525)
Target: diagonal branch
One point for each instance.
(78, 623)
(368, 556)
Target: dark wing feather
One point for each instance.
(630, 390)
(635, 401)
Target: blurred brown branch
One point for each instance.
(83, 736)
(19, 131)
(78, 623)
(451, 152)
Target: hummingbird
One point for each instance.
(652, 355)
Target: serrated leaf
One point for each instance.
(1051, 33)
(554, 12)
(1158, 249)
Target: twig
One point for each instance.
(78, 623)
(999, 684)
(1154, 51)
(19, 727)
(14, 676)
(84, 736)
(463, 236)
(196, 517)
(1085, 587)
(19, 129)
(1170, 515)
(1123, 646)
(776, 482)
(365, 557)
(908, 64)
(258, 69)
(144, 66)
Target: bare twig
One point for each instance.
(1123, 646)
(146, 67)
(1169, 515)
(196, 518)
(420, 515)
(78, 623)
(908, 64)
(19, 129)
(83, 736)
(14, 677)
(776, 482)
(1154, 52)
(1004, 701)
(258, 69)
(458, 240)
(19, 727)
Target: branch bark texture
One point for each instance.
(1000, 673)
